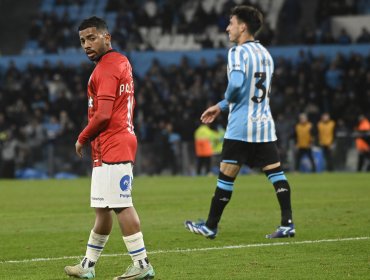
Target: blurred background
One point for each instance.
(320, 94)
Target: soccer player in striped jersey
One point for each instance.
(250, 134)
(110, 132)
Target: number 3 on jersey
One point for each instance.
(261, 76)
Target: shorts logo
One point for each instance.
(125, 183)
(97, 198)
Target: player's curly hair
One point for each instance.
(94, 21)
(249, 15)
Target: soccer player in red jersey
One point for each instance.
(113, 142)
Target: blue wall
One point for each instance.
(141, 61)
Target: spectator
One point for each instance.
(326, 134)
(9, 152)
(204, 137)
(207, 43)
(364, 36)
(334, 76)
(343, 141)
(53, 32)
(363, 143)
(327, 38)
(290, 16)
(344, 38)
(178, 93)
(53, 129)
(304, 139)
(174, 140)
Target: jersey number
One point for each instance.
(261, 76)
(130, 111)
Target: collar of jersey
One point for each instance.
(99, 58)
(251, 41)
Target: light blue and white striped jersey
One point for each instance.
(250, 118)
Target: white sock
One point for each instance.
(95, 247)
(136, 249)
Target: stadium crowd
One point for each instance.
(54, 31)
(42, 106)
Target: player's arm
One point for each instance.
(223, 104)
(231, 95)
(236, 81)
(107, 82)
(233, 89)
(98, 122)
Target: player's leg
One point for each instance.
(276, 176)
(221, 197)
(270, 160)
(103, 225)
(129, 223)
(98, 238)
(229, 169)
(222, 194)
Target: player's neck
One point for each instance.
(108, 50)
(245, 38)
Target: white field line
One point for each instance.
(199, 249)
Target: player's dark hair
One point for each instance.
(94, 21)
(249, 15)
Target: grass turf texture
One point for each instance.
(52, 219)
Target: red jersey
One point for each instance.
(111, 87)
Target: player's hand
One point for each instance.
(79, 147)
(210, 114)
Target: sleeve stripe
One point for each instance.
(106, 97)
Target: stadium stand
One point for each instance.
(181, 25)
(42, 90)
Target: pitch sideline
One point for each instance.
(199, 249)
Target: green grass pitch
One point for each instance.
(51, 220)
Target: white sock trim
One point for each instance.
(135, 246)
(95, 245)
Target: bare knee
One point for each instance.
(128, 220)
(103, 221)
(271, 166)
(230, 170)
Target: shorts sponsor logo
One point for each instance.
(97, 198)
(125, 183)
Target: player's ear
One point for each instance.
(107, 38)
(244, 27)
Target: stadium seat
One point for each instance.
(143, 31)
(154, 34)
(178, 42)
(164, 44)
